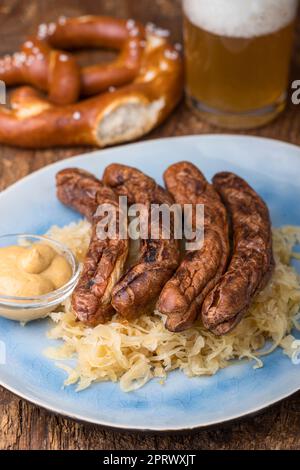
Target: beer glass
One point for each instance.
(237, 57)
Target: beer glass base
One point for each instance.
(247, 120)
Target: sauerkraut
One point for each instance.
(135, 352)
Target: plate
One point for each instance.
(30, 205)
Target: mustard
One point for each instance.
(32, 271)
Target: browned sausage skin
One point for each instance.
(140, 286)
(78, 189)
(200, 270)
(105, 259)
(252, 261)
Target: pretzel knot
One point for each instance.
(134, 93)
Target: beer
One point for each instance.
(237, 55)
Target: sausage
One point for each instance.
(105, 260)
(140, 286)
(78, 189)
(198, 273)
(252, 260)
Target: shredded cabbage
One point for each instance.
(135, 352)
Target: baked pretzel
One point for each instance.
(41, 62)
(148, 69)
(47, 69)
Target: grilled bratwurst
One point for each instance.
(106, 258)
(252, 261)
(78, 189)
(158, 258)
(200, 270)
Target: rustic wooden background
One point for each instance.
(24, 426)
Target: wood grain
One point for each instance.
(24, 426)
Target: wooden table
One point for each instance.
(24, 426)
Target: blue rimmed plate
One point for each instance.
(273, 169)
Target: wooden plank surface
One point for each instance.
(24, 426)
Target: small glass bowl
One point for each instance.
(26, 309)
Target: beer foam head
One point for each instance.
(240, 18)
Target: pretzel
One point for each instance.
(115, 116)
(127, 36)
(41, 62)
(49, 70)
